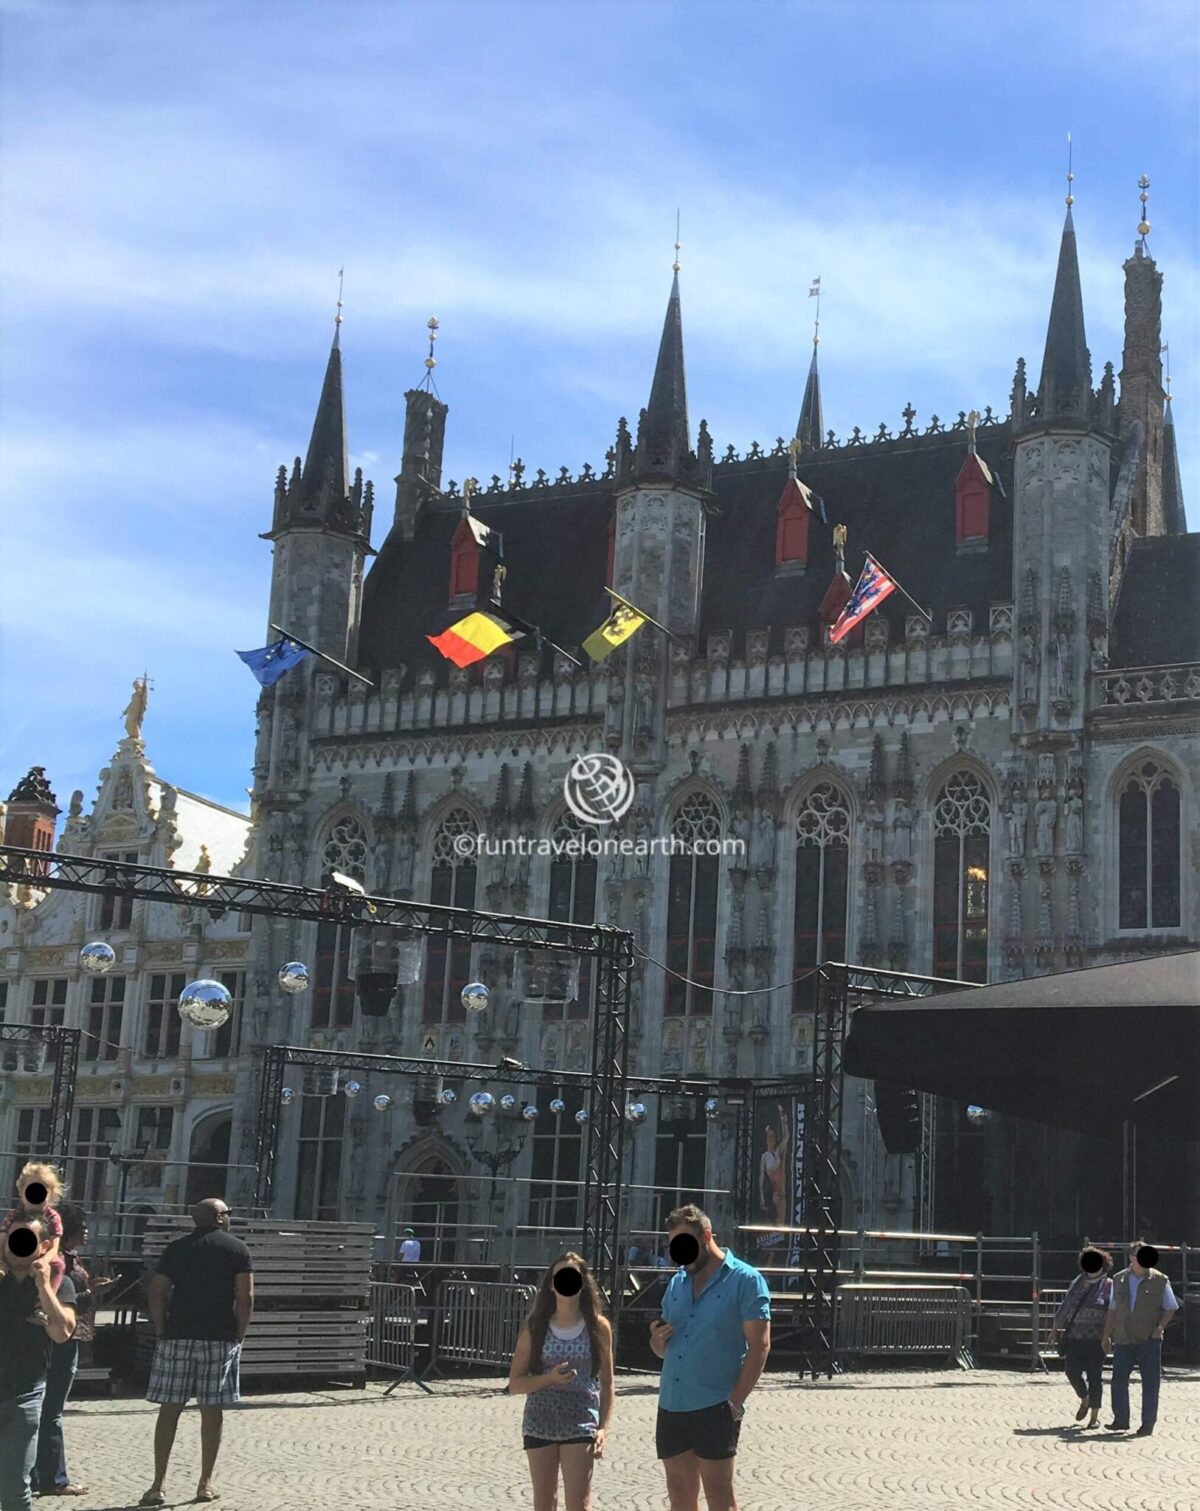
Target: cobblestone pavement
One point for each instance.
(867, 1442)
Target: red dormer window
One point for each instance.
(972, 498)
(612, 547)
(464, 563)
(791, 530)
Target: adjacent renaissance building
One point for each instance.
(1002, 785)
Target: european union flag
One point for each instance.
(270, 663)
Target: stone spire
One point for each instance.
(1142, 393)
(1065, 389)
(663, 446)
(1174, 517)
(811, 425)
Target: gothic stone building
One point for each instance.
(148, 1083)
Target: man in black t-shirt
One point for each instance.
(32, 1319)
(201, 1297)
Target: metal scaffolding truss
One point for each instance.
(17, 1039)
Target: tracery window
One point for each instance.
(345, 850)
(822, 886)
(451, 884)
(1148, 850)
(962, 825)
(573, 900)
(692, 909)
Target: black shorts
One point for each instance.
(710, 1433)
(555, 1442)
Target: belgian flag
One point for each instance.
(480, 634)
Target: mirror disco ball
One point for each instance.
(482, 1103)
(635, 1114)
(508, 1102)
(978, 1114)
(447, 1096)
(529, 1112)
(293, 977)
(287, 1096)
(712, 1108)
(382, 1102)
(475, 996)
(557, 1105)
(352, 1088)
(581, 1116)
(97, 958)
(205, 1004)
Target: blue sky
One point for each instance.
(181, 183)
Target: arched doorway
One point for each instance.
(429, 1205)
(208, 1156)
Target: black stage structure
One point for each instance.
(836, 990)
(26, 1047)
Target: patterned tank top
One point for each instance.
(565, 1411)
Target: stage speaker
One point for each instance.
(375, 992)
(899, 1115)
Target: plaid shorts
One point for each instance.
(201, 1367)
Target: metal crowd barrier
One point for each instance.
(478, 1321)
(392, 1331)
(888, 1321)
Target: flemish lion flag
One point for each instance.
(478, 635)
(623, 622)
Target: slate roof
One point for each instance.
(897, 500)
(1157, 622)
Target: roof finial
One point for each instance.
(1165, 351)
(1070, 172)
(675, 264)
(972, 421)
(1143, 224)
(814, 292)
(337, 319)
(431, 361)
(793, 455)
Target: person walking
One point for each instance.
(201, 1298)
(563, 1365)
(50, 1476)
(1140, 1310)
(33, 1317)
(1080, 1323)
(713, 1337)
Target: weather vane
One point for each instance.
(337, 319)
(1143, 195)
(1070, 171)
(675, 264)
(431, 361)
(814, 292)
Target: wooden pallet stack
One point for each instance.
(311, 1289)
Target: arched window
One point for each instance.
(572, 900)
(692, 908)
(345, 850)
(962, 824)
(452, 884)
(1148, 849)
(822, 877)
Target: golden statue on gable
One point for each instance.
(136, 711)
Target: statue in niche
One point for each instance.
(1018, 818)
(646, 708)
(123, 790)
(873, 823)
(406, 854)
(764, 842)
(1074, 815)
(1029, 666)
(902, 830)
(740, 857)
(1062, 668)
(1045, 816)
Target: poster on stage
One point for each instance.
(778, 1175)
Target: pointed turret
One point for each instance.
(1174, 517)
(811, 425)
(663, 443)
(327, 465)
(1065, 389)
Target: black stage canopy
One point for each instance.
(1086, 1050)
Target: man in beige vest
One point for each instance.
(1142, 1307)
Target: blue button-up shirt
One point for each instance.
(704, 1354)
(1169, 1303)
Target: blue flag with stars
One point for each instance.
(270, 663)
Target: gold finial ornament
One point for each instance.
(1165, 350)
(470, 485)
(972, 422)
(793, 455)
(432, 325)
(1070, 171)
(839, 537)
(337, 319)
(1143, 224)
(675, 264)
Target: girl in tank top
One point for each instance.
(563, 1366)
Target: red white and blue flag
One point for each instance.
(873, 587)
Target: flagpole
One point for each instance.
(304, 645)
(924, 613)
(546, 640)
(641, 613)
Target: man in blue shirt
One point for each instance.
(713, 1338)
(1140, 1310)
